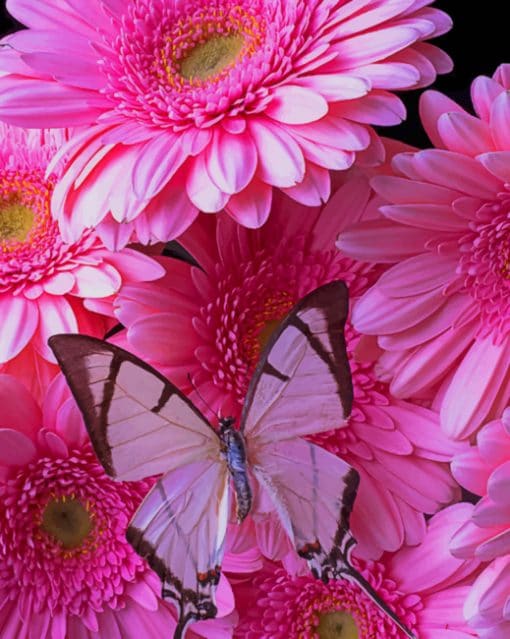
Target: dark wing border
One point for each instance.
(68, 348)
(333, 299)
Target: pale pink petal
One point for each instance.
(57, 316)
(373, 46)
(335, 87)
(293, 104)
(19, 322)
(204, 194)
(379, 107)
(483, 93)
(498, 163)
(252, 206)
(231, 160)
(281, 160)
(465, 134)
(132, 265)
(96, 282)
(314, 189)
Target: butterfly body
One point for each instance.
(233, 448)
(141, 425)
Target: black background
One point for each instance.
(478, 43)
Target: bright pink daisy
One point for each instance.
(442, 312)
(485, 471)
(201, 105)
(211, 324)
(425, 586)
(66, 569)
(46, 285)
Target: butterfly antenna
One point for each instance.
(218, 414)
(372, 593)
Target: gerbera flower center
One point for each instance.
(485, 262)
(263, 322)
(208, 59)
(67, 521)
(16, 221)
(337, 625)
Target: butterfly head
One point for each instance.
(226, 424)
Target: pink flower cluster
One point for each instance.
(124, 125)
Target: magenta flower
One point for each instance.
(66, 568)
(209, 105)
(442, 313)
(46, 285)
(485, 471)
(425, 586)
(211, 324)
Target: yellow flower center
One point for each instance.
(207, 59)
(67, 521)
(16, 221)
(337, 625)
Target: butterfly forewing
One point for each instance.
(302, 384)
(139, 423)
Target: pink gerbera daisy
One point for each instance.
(443, 312)
(424, 586)
(66, 569)
(485, 471)
(208, 105)
(46, 285)
(211, 324)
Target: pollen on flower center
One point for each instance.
(16, 221)
(208, 59)
(67, 521)
(337, 625)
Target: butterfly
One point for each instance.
(141, 425)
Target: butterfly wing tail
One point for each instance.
(352, 574)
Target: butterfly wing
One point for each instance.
(302, 383)
(313, 492)
(139, 423)
(180, 529)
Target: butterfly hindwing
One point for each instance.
(302, 383)
(180, 529)
(139, 423)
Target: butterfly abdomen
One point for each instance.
(235, 452)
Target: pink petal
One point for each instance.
(52, 14)
(231, 160)
(500, 121)
(498, 163)
(456, 171)
(281, 161)
(59, 284)
(19, 409)
(402, 191)
(157, 162)
(377, 241)
(373, 46)
(314, 188)
(293, 104)
(483, 93)
(252, 206)
(57, 316)
(476, 383)
(432, 106)
(417, 275)
(390, 75)
(133, 266)
(19, 322)
(465, 134)
(16, 449)
(96, 281)
(204, 194)
(375, 313)
(38, 103)
(335, 86)
(440, 217)
(379, 107)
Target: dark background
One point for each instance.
(478, 43)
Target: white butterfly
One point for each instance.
(142, 425)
